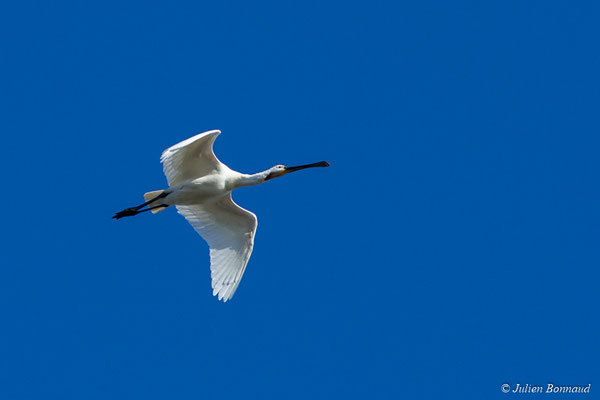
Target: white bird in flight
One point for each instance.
(200, 187)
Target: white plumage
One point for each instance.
(200, 187)
(229, 231)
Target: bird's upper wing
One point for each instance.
(191, 158)
(229, 231)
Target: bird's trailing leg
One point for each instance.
(131, 211)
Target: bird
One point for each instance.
(200, 188)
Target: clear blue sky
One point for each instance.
(451, 247)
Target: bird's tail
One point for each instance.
(152, 195)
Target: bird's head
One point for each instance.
(280, 170)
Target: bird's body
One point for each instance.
(200, 190)
(200, 187)
(209, 187)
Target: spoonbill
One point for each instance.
(200, 188)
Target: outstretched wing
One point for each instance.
(191, 158)
(229, 231)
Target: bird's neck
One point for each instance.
(253, 179)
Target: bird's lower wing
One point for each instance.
(229, 231)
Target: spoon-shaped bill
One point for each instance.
(299, 167)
